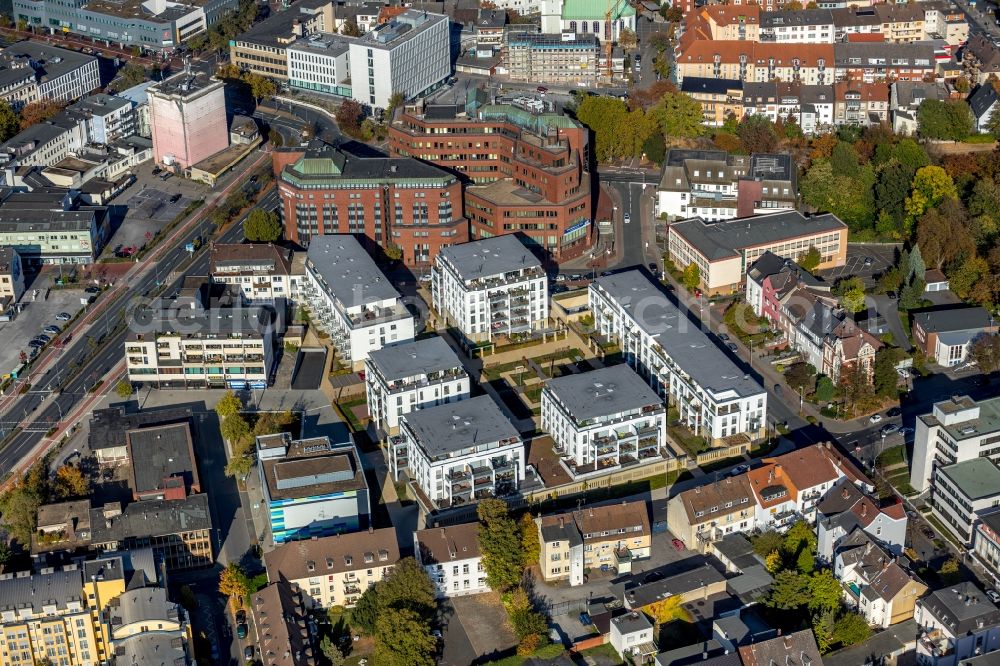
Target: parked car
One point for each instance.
(889, 428)
(175, 198)
(36, 344)
(732, 346)
(248, 652)
(875, 418)
(895, 411)
(241, 616)
(63, 316)
(241, 631)
(994, 597)
(92, 290)
(724, 336)
(627, 217)
(778, 390)
(44, 338)
(678, 544)
(739, 469)
(425, 278)
(52, 330)
(905, 431)
(560, 278)
(653, 268)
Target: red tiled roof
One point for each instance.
(870, 92)
(859, 37)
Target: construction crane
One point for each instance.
(613, 13)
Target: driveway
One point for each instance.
(887, 308)
(473, 627)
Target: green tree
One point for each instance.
(911, 295)
(824, 389)
(262, 226)
(891, 189)
(679, 115)
(993, 124)
(801, 376)
(931, 185)
(811, 259)
(946, 120)
(655, 148)
(884, 373)
(967, 275)
(790, 591)
(757, 134)
(132, 74)
(228, 405)
(844, 160)
(825, 591)
(773, 562)
(365, 611)
(799, 537)
(851, 629)
(985, 351)
(233, 582)
(235, 429)
(123, 388)
(500, 545)
(19, 512)
(70, 483)
(10, 124)
(239, 466)
(275, 138)
(691, 277)
(530, 543)
(331, 651)
(403, 638)
(915, 261)
(806, 562)
(851, 292)
(850, 199)
(408, 587)
(350, 28)
(767, 542)
(261, 87)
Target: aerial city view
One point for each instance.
(499, 332)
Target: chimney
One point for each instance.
(296, 27)
(864, 509)
(562, 522)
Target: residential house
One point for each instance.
(489, 287)
(451, 557)
(849, 346)
(956, 430)
(263, 271)
(719, 98)
(956, 623)
(861, 103)
(459, 452)
(608, 538)
(846, 507)
(632, 636)
(334, 570)
(704, 514)
(877, 584)
(806, 26)
(810, 64)
(986, 542)
(800, 646)
(945, 334)
(311, 487)
(981, 57)
(983, 103)
(882, 61)
(284, 634)
(905, 98)
(412, 375)
(604, 419)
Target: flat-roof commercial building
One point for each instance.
(715, 398)
(527, 172)
(161, 462)
(565, 59)
(352, 300)
(946, 334)
(263, 48)
(490, 287)
(412, 375)
(109, 429)
(49, 228)
(956, 430)
(459, 452)
(724, 251)
(334, 570)
(960, 491)
(451, 557)
(394, 202)
(203, 339)
(33, 71)
(604, 419)
(187, 116)
(311, 487)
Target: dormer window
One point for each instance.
(348, 560)
(310, 565)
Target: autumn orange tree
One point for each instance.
(70, 483)
(39, 112)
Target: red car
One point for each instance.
(678, 544)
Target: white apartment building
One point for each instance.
(409, 54)
(956, 623)
(451, 557)
(44, 228)
(350, 298)
(32, 71)
(459, 452)
(109, 118)
(320, 62)
(960, 491)
(185, 343)
(264, 272)
(806, 26)
(713, 396)
(957, 429)
(604, 419)
(412, 375)
(490, 286)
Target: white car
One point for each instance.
(875, 418)
(628, 218)
(425, 278)
(994, 597)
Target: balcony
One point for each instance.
(500, 464)
(456, 476)
(351, 589)
(482, 471)
(481, 484)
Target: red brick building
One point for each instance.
(400, 202)
(525, 171)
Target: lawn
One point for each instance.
(690, 442)
(890, 457)
(534, 393)
(548, 652)
(347, 409)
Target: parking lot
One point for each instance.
(36, 314)
(864, 260)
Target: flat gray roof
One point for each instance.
(415, 357)
(348, 271)
(976, 478)
(52, 61)
(456, 426)
(686, 343)
(159, 453)
(719, 240)
(603, 392)
(490, 256)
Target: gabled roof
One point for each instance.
(777, 650)
(720, 498)
(983, 99)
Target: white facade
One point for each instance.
(321, 63)
(629, 632)
(955, 623)
(351, 300)
(408, 55)
(714, 397)
(961, 491)
(619, 431)
(776, 28)
(955, 430)
(264, 273)
(450, 556)
(412, 375)
(490, 286)
(459, 452)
